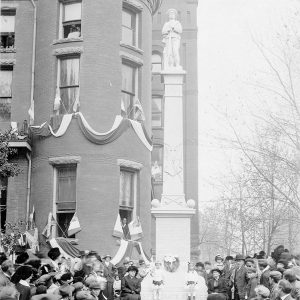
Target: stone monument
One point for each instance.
(173, 213)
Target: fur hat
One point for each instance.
(54, 253)
(133, 268)
(216, 270)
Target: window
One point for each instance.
(156, 63)
(129, 89)
(65, 197)
(3, 202)
(7, 29)
(127, 193)
(5, 92)
(157, 163)
(129, 27)
(71, 20)
(157, 111)
(68, 80)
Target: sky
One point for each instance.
(229, 63)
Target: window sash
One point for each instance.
(66, 188)
(7, 23)
(5, 83)
(63, 221)
(72, 12)
(129, 31)
(126, 189)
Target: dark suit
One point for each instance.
(217, 286)
(131, 288)
(240, 283)
(109, 272)
(25, 291)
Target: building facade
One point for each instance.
(90, 146)
(187, 15)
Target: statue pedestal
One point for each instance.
(173, 214)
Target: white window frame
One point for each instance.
(134, 167)
(57, 162)
(136, 70)
(61, 14)
(136, 13)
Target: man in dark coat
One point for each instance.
(217, 284)
(109, 273)
(22, 276)
(240, 278)
(227, 272)
(131, 285)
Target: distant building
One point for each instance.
(91, 62)
(187, 15)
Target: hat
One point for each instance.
(54, 253)
(218, 256)
(262, 263)
(22, 258)
(263, 291)
(216, 270)
(95, 285)
(239, 257)
(66, 277)
(229, 257)
(23, 272)
(276, 274)
(141, 261)
(105, 256)
(172, 10)
(83, 295)
(78, 285)
(133, 268)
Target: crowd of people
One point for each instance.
(90, 276)
(260, 277)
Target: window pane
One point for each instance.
(68, 97)
(156, 104)
(127, 19)
(126, 188)
(66, 184)
(127, 35)
(157, 163)
(5, 83)
(7, 23)
(69, 72)
(72, 12)
(128, 79)
(5, 109)
(63, 220)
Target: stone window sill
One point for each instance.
(8, 50)
(138, 50)
(67, 40)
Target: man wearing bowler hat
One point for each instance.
(239, 278)
(109, 272)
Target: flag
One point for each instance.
(139, 112)
(74, 226)
(31, 217)
(123, 110)
(31, 113)
(48, 228)
(135, 229)
(32, 237)
(57, 100)
(118, 231)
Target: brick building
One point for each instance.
(86, 67)
(187, 15)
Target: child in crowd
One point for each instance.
(191, 281)
(117, 287)
(158, 280)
